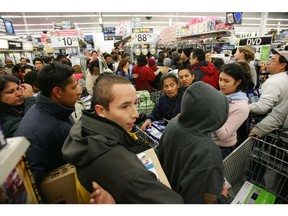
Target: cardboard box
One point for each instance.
(59, 185)
(251, 194)
(150, 160)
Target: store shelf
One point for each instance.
(203, 35)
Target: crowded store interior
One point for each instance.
(144, 107)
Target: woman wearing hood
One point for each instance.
(232, 83)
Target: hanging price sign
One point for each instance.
(142, 35)
(65, 41)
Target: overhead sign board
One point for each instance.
(109, 33)
(261, 44)
(142, 35)
(234, 17)
(14, 45)
(65, 41)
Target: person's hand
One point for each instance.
(27, 90)
(224, 191)
(101, 196)
(251, 134)
(145, 124)
(135, 76)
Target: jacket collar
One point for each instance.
(107, 128)
(55, 109)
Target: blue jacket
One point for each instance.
(46, 125)
(166, 107)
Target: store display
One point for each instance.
(152, 51)
(144, 51)
(137, 51)
(251, 194)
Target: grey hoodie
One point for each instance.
(193, 162)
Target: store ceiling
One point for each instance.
(34, 23)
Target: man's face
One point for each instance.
(122, 109)
(69, 96)
(274, 66)
(23, 62)
(9, 63)
(38, 65)
(185, 77)
(193, 60)
(108, 60)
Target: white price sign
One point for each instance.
(65, 41)
(142, 38)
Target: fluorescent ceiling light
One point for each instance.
(50, 16)
(41, 24)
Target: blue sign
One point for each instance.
(238, 17)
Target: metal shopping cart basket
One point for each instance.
(146, 138)
(155, 96)
(147, 103)
(261, 162)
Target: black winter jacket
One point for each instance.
(46, 125)
(101, 151)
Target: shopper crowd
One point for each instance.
(205, 101)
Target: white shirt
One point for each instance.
(274, 91)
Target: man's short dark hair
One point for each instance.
(31, 78)
(102, 88)
(60, 56)
(141, 60)
(54, 75)
(199, 53)
(184, 67)
(37, 59)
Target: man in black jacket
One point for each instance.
(100, 146)
(47, 123)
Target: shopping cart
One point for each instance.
(155, 96)
(143, 136)
(147, 102)
(261, 162)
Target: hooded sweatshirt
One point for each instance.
(238, 113)
(191, 160)
(101, 151)
(206, 72)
